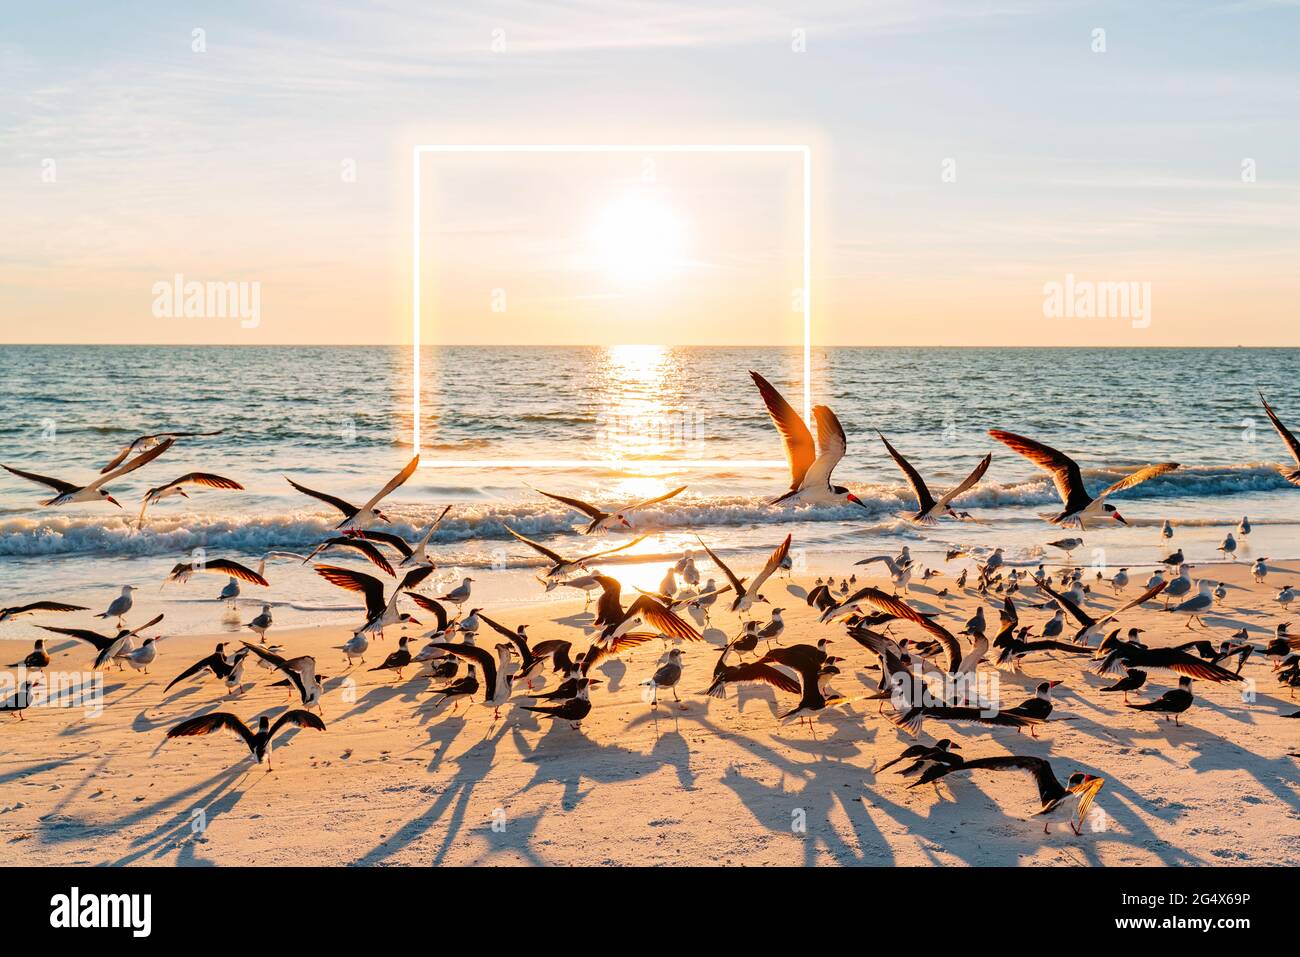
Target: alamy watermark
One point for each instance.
(191, 299)
(1108, 299)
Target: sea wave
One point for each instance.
(41, 534)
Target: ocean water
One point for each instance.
(615, 425)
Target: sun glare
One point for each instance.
(637, 239)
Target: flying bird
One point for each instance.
(602, 521)
(747, 594)
(259, 741)
(358, 518)
(177, 487)
(1292, 475)
(928, 509)
(562, 566)
(144, 443)
(96, 491)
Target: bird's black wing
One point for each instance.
(347, 508)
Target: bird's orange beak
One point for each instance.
(113, 500)
(1118, 517)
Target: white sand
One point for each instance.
(396, 781)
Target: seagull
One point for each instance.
(928, 510)
(1179, 585)
(1173, 702)
(810, 472)
(1166, 529)
(177, 487)
(69, 493)
(183, 571)
(666, 676)
(35, 607)
(1202, 601)
(119, 605)
(1067, 545)
(262, 623)
(144, 443)
(1069, 801)
(106, 645)
(1259, 570)
(1243, 527)
(229, 669)
(230, 592)
(259, 741)
(900, 575)
(380, 611)
(1293, 446)
(602, 521)
(300, 671)
(140, 658)
(460, 594)
(1080, 507)
(615, 622)
(1228, 546)
(561, 565)
(359, 518)
(746, 595)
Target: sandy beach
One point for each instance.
(397, 779)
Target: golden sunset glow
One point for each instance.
(638, 239)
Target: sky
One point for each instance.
(980, 172)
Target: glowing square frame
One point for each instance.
(803, 150)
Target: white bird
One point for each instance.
(1156, 578)
(231, 591)
(1228, 546)
(602, 521)
(96, 491)
(140, 658)
(562, 566)
(420, 553)
(1259, 569)
(1179, 585)
(120, 605)
(900, 575)
(380, 611)
(810, 466)
(1120, 581)
(177, 487)
(262, 623)
(143, 443)
(1285, 596)
(460, 594)
(359, 518)
(747, 594)
(301, 673)
(1080, 507)
(668, 586)
(1203, 600)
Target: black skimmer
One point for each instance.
(1124, 656)
(1089, 626)
(613, 648)
(443, 625)
(666, 676)
(532, 658)
(602, 521)
(36, 607)
(359, 544)
(358, 518)
(1292, 475)
(561, 566)
(144, 443)
(747, 594)
(20, 701)
(396, 661)
(928, 509)
(1028, 714)
(572, 710)
(615, 621)
(922, 756)
(1080, 507)
(183, 571)
(725, 675)
(259, 741)
(496, 682)
(380, 611)
(1173, 702)
(227, 668)
(807, 662)
(120, 605)
(96, 491)
(37, 660)
(900, 609)
(810, 465)
(300, 671)
(1069, 801)
(177, 487)
(465, 687)
(1131, 681)
(419, 554)
(899, 574)
(107, 646)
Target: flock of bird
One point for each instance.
(927, 674)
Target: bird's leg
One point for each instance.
(1044, 827)
(1077, 830)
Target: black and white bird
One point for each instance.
(177, 487)
(363, 545)
(120, 605)
(1080, 507)
(144, 443)
(496, 679)
(602, 521)
(572, 710)
(1173, 702)
(922, 756)
(810, 465)
(300, 671)
(106, 646)
(1131, 680)
(184, 571)
(615, 621)
(465, 687)
(96, 491)
(259, 741)
(1090, 627)
(397, 660)
(228, 669)
(381, 611)
(560, 566)
(19, 701)
(358, 518)
(37, 660)
(419, 554)
(1292, 475)
(929, 509)
(748, 593)
(1070, 801)
(261, 624)
(36, 608)
(533, 659)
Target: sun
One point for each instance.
(638, 239)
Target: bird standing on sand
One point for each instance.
(355, 647)
(262, 623)
(772, 631)
(1173, 702)
(1285, 595)
(1166, 529)
(397, 660)
(574, 709)
(259, 741)
(1131, 681)
(37, 660)
(1243, 527)
(1259, 570)
(120, 605)
(1228, 546)
(666, 676)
